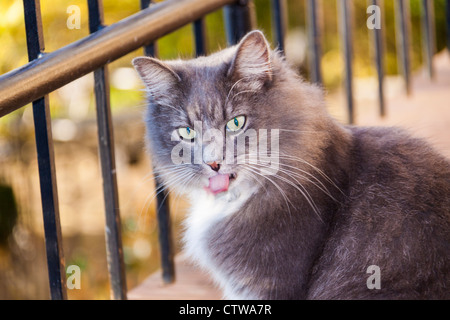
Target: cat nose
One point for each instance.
(214, 165)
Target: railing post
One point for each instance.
(200, 37)
(346, 38)
(46, 163)
(165, 233)
(151, 49)
(428, 35)
(402, 31)
(113, 231)
(239, 20)
(279, 21)
(314, 37)
(162, 202)
(378, 40)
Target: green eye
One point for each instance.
(187, 133)
(236, 123)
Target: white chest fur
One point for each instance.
(208, 210)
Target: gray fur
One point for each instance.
(382, 198)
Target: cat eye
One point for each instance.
(187, 133)
(236, 123)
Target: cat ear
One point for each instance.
(251, 64)
(157, 76)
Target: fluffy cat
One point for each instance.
(338, 200)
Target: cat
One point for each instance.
(339, 201)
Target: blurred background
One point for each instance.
(23, 271)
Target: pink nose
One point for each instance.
(214, 165)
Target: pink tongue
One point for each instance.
(218, 183)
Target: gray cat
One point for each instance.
(317, 210)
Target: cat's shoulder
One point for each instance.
(395, 145)
(384, 136)
(391, 163)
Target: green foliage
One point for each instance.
(8, 212)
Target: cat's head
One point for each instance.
(210, 120)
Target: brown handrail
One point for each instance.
(54, 70)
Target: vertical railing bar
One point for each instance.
(113, 232)
(378, 39)
(279, 23)
(200, 37)
(238, 20)
(151, 49)
(165, 234)
(427, 17)
(162, 203)
(46, 164)
(403, 41)
(315, 51)
(345, 30)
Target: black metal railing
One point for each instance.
(108, 166)
(108, 43)
(46, 164)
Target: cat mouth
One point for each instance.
(220, 183)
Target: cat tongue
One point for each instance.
(218, 183)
